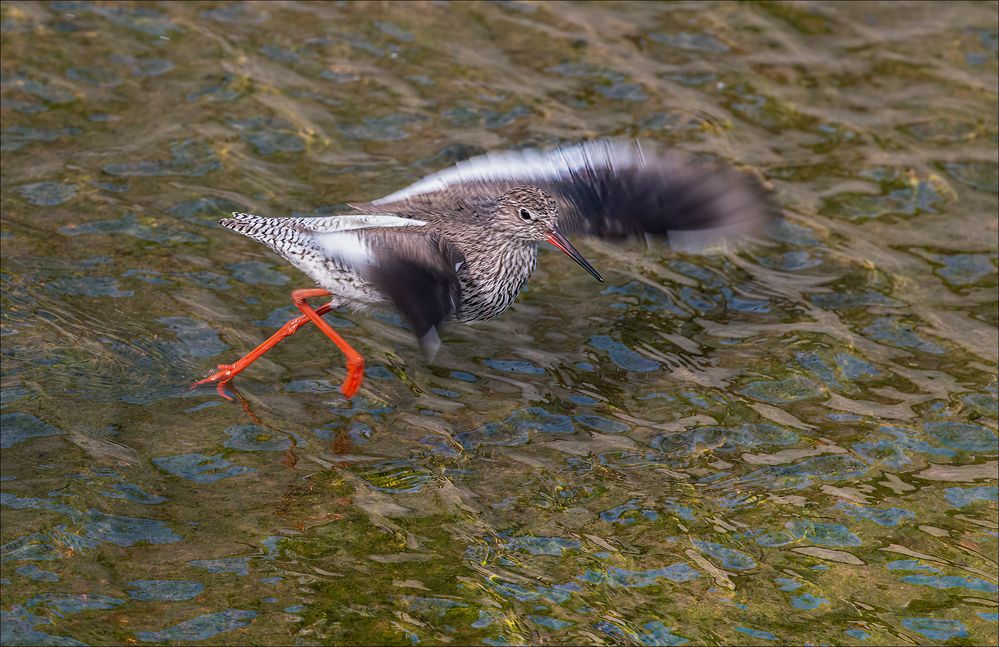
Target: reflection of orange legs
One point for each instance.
(355, 363)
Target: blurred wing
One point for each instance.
(615, 189)
(417, 271)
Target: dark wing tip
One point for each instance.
(418, 274)
(615, 188)
(628, 195)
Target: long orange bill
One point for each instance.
(556, 238)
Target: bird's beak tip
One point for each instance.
(558, 240)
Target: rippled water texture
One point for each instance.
(791, 443)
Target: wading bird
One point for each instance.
(460, 244)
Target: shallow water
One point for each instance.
(792, 443)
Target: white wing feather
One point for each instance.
(525, 165)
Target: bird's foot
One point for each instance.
(223, 375)
(355, 375)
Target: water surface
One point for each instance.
(791, 443)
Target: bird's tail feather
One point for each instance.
(283, 235)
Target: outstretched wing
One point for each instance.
(615, 189)
(416, 270)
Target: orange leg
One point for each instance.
(224, 373)
(355, 363)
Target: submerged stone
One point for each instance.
(134, 493)
(18, 427)
(822, 534)
(164, 590)
(257, 273)
(200, 468)
(951, 582)
(622, 356)
(555, 546)
(601, 424)
(128, 531)
(202, 627)
(977, 174)
(47, 194)
(961, 497)
(792, 389)
(807, 602)
(190, 158)
(614, 576)
(964, 269)
(236, 565)
(17, 627)
(516, 429)
(194, 338)
(936, 628)
(68, 603)
(32, 572)
(881, 516)
(17, 137)
(964, 436)
(728, 557)
(756, 633)
(895, 332)
(90, 286)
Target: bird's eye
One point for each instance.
(525, 215)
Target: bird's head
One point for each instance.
(527, 213)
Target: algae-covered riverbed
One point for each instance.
(791, 443)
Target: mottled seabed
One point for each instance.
(791, 443)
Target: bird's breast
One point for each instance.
(492, 278)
